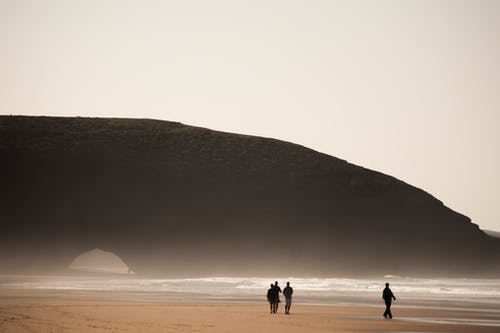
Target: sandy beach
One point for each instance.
(69, 311)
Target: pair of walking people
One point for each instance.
(273, 297)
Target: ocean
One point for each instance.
(456, 293)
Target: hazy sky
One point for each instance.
(409, 88)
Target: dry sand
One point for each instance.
(35, 311)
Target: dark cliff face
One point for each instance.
(180, 200)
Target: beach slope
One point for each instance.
(21, 311)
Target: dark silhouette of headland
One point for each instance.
(181, 200)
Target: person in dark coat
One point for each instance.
(271, 297)
(388, 296)
(288, 291)
(277, 301)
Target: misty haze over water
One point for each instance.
(328, 291)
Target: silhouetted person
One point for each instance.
(388, 296)
(271, 297)
(277, 290)
(288, 291)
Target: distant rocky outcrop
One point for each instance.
(181, 200)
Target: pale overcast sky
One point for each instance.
(408, 88)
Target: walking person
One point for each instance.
(388, 296)
(288, 291)
(271, 297)
(277, 291)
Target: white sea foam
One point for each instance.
(312, 289)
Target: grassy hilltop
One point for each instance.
(181, 200)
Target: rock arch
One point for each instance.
(99, 261)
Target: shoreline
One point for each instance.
(339, 300)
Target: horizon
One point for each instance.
(409, 89)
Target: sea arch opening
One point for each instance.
(100, 261)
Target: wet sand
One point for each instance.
(60, 311)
